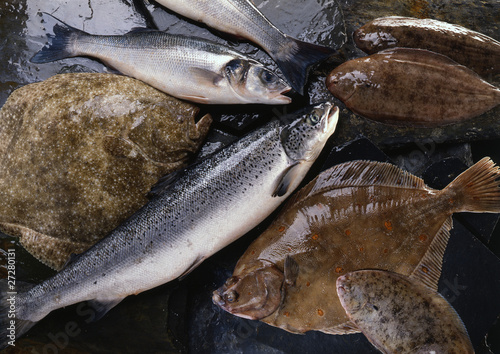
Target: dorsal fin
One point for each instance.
(358, 174)
(428, 271)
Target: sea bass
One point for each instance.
(356, 215)
(210, 205)
(243, 19)
(470, 48)
(411, 86)
(398, 314)
(189, 68)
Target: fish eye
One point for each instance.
(267, 77)
(231, 296)
(313, 118)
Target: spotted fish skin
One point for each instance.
(470, 48)
(400, 315)
(355, 215)
(211, 204)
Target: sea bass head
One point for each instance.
(253, 295)
(253, 83)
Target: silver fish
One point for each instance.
(399, 314)
(243, 19)
(212, 204)
(185, 67)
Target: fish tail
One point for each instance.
(11, 327)
(295, 59)
(60, 37)
(478, 188)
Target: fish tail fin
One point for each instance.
(11, 326)
(295, 59)
(60, 37)
(478, 188)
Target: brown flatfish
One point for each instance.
(79, 154)
(412, 87)
(475, 50)
(355, 215)
(398, 314)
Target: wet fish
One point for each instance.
(243, 19)
(411, 86)
(470, 48)
(189, 68)
(355, 215)
(399, 314)
(210, 205)
(80, 153)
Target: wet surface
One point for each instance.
(179, 316)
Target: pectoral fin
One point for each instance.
(206, 77)
(286, 180)
(101, 307)
(291, 270)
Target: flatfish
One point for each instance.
(413, 87)
(355, 215)
(398, 314)
(79, 154)
(475, 50)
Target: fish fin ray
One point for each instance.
(428, 271)
(291, 271)
(478, 187)
(193, 98)
(206, 76)
(101, 307)
(141, 30)
(49, 250)
(192, 267)
(360, 173)
(58, 45)
(295, 59)
(344, 328)
(286, 179)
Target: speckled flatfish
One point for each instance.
(79, 154)
(398, 314)
(353, 216)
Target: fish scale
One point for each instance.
(202, 210)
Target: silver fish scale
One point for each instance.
(171, 228)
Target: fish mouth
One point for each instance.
(280, 98)
(332, 118)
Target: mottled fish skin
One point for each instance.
(189, 68)
(400, 315)
(241, 18)
(470, 48)
(412, 87)
(213, 203)
(356, 215)
(81, 151)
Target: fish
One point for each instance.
(398, 314)
(243, 19)
(411, 87)
(185, 67)
(80, 153)
(355, 215)
(472, 49)
(190, 216)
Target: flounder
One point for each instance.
(470, 48)
(79, 154)
(353, 216)
(398, 314)
(411, 86)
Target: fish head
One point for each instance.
(346, 80)
(252, 82)
(371, 41)
(254, 295)
(304, 133)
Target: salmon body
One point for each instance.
(411, 86)
(355, 215)
(470, 48)
(206, 207)
(398, 314)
